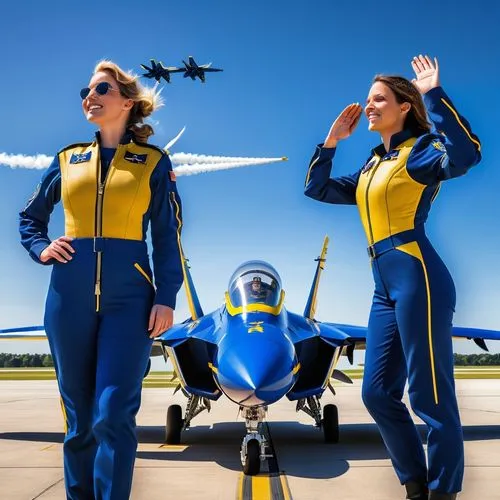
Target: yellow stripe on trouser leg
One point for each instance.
(414, 250)
(65, 417)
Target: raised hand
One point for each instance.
(427, 73)
(344, 125)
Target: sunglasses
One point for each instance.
(101, 88)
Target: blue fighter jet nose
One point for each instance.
(257, 369)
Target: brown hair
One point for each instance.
(146, 99)
(405, 91)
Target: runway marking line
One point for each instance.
(265, 486)
(172, 447)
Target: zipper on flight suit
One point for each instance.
(98, 227)
(368, 203)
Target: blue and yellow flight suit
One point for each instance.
(98, 303)
(409, 330)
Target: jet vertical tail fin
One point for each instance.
(310, 309)
(192, 297)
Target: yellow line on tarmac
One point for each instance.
(261, 487)
(265, 486)
(239, 489)
(173, 447)
(286, 489)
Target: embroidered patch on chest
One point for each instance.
(391, 156)
(370, 164)
(439, 146)
(135, 158)
(80, 157)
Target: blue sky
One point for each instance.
(289, 68)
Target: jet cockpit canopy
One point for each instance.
(255, 282)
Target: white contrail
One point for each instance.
(194, 159)
(199, 168)
(184, 163)
(175, 139)
(24, 161)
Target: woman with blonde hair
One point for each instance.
(102, 310)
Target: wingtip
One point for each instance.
(284, 158)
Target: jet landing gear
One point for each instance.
(330, 421)
(253, 448)
(176, 424)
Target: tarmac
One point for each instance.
(207, 463)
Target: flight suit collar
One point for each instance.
(396, 140)
(127, 137)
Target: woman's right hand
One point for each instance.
(344, 125)
(59, 249)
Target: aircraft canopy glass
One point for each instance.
(255, 282)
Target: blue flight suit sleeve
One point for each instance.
(319, 185)
(34, 219)
(166, 224)
(448, 153)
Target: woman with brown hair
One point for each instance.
(102, 310)
(409, 330)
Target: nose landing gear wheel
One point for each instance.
(251, 467)
(174, 425)
(330, 424)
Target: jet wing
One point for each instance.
(356, 335)
(189, 330)
(478, 335)
(23, 333)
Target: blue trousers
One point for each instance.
(409, 338)
(100, 360)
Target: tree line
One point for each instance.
(8, 360)
(476, 359)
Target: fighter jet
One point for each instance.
(194, 70)
(255, 352)
(158, 71)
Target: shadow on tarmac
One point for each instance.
(299, 447)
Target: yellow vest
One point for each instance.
(117, 212)
(386, 196)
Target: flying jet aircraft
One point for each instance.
(158, 71)
(194, 70)
(255, 352)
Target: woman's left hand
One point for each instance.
(427, 73)
(160, 319)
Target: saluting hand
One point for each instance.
(160, 320)
(344, 125)
(59, 249)
(427, 73)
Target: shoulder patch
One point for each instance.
(172, 175)
(135, 158)
(438, 145)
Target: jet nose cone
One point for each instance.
(256, 370)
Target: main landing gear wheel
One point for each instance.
(331, 424)
(251, 467)
(174, 425)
